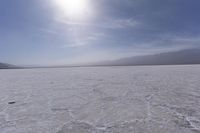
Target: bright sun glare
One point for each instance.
(72, 8)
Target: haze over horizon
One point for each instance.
(55, 32)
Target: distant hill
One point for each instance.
(189, 56)
(7, 66)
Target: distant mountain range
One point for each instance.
(189, 56)
(182, 57)
(7, 66)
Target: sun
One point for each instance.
(72, 8)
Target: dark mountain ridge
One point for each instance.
(189, 56)
(7, 66)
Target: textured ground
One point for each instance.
(153, 99)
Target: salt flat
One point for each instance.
(147, 99)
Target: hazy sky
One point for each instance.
(72, 31)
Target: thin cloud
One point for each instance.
(107, 24)
(49, 31)
(123, 23)
(86, 40)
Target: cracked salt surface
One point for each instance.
(151, 99)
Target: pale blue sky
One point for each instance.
(55, 32)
